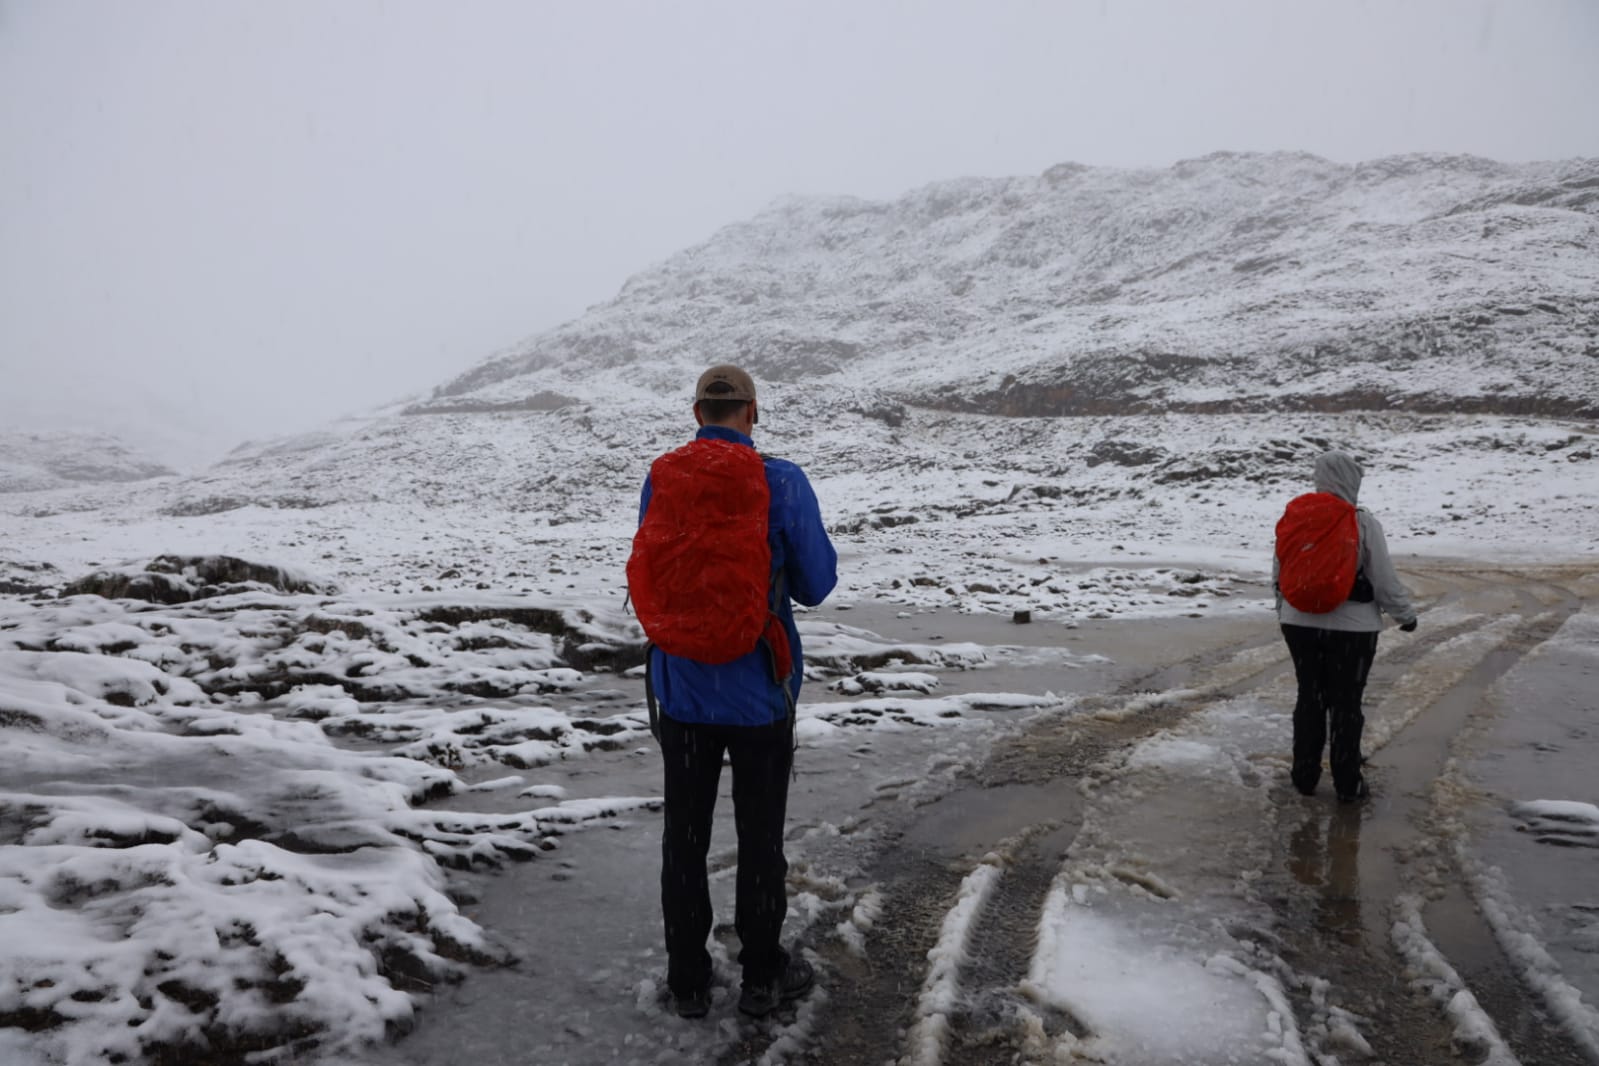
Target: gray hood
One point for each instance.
(1339, 474)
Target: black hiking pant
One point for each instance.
(1331, 666)
(761, 757)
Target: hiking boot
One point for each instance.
(1361, 792)
(695, 1004)
(761, 999)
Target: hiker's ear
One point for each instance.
(699, 419)
(755, 413)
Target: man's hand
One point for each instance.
(1408, 627)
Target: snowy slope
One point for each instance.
(1214, 325)
(1232, 282)
(32, 461)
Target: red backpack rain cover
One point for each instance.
(1318, 551)
(700, 574)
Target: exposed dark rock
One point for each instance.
(28, 579)
(539, 619)
(1037, 492)
(874, 521)
(543, 400)
(171, 579)
(889, 413)
(204, 505)
(798, 359)
(1123, 453)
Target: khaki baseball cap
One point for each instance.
(738, 385)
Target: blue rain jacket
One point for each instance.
(742, 692)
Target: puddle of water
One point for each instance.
(1324, 855)
(1065, 658)
(584, 924)
(975, 819)
(1405, 769)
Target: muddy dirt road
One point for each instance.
(1304, 891)
(1123, 876)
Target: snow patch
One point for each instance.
(1148, 1001)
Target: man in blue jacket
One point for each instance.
(737, 708)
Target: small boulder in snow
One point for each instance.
(181, 578)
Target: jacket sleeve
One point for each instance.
(643, 501)
(810, 567)
(1392, 596)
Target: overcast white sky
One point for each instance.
(236, 219)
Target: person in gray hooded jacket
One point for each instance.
(1333, 652)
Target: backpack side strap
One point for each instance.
(649, 692)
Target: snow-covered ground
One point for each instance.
(453, 696)
(983, 505)
(284, 822)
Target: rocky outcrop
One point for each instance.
(171, 579)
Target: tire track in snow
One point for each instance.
(1543, 1015)
(941, 989)
(882, 1014)
(890, 1006)
(996, 1021)
(1466, 923)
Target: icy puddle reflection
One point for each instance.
(1324, 856)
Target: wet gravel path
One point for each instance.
(1331, 889)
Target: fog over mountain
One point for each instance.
(1238, 283)
(197, 249)
(32, 461)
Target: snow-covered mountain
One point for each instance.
(439, 600)
(1227, 283)
(1210, 326)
